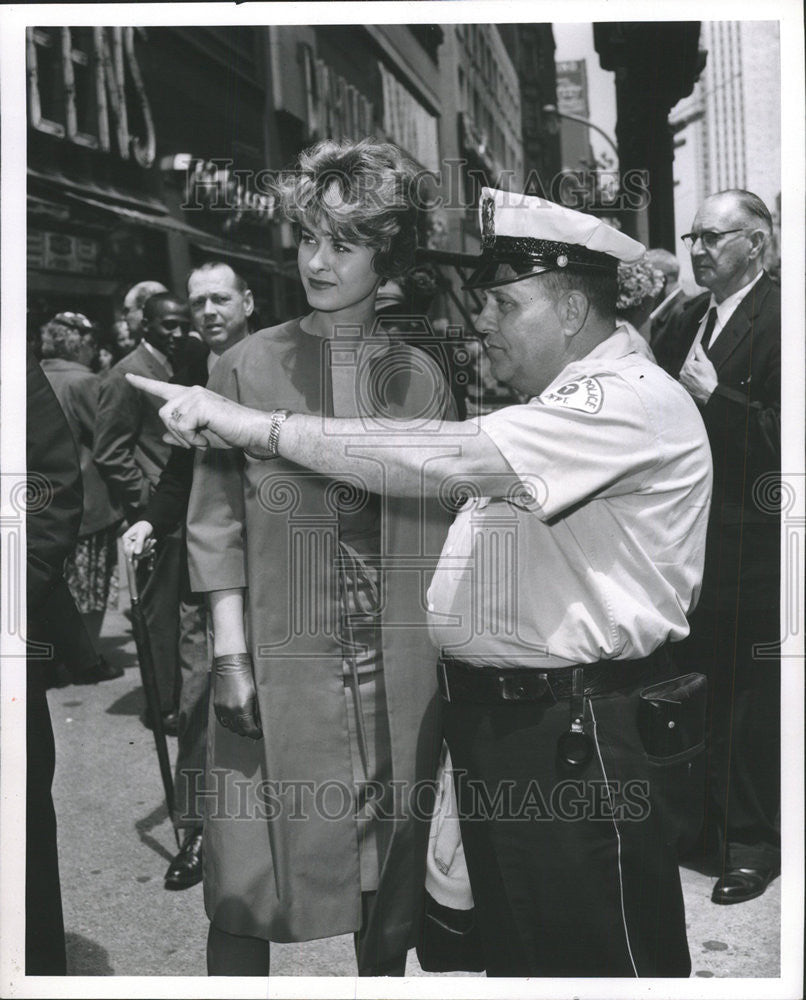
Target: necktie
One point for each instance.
(709, 329)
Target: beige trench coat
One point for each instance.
(281, 847)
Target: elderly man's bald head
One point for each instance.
(133, 304)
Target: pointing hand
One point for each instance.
(196, 417)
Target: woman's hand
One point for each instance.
(234, 695)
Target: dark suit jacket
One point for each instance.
(743, 420)
(76, 388)
(55, 476)
(666, 321)
(128, 449)
(169, 502)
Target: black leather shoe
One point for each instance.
(741, 884)
(186, 868)
(170, 722)
(102, 671)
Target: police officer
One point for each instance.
(574, 559)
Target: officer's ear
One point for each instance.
(572, 311)
(248, 302)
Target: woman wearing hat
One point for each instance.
(315, 692)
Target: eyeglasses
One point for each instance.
(710, 238)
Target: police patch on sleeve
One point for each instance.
(584, 394)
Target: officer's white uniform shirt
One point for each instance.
(605, 559)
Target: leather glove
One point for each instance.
(235, 696)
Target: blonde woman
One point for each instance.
(323, 675)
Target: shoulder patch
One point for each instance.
(585, 394)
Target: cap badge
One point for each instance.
(488, 221)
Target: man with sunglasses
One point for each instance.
(726, 351)
(130, 454)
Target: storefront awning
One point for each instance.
(91, 189)
(167, 223)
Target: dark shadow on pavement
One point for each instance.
(132, 703)
(86, 957)
(145, 825)
(111, 645)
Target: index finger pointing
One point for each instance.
(165, 390)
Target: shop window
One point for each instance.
(80, 54)
(45, 86)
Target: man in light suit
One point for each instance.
(726, 351)
(130, 454)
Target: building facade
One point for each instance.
(145, 152)
(152, 149)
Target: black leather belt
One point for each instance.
(460, 681)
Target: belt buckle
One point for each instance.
(520, 688)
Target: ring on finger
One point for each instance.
(176, 415)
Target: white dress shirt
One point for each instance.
(724, 311)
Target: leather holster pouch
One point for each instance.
(671, 716)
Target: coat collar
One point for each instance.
(145, 357)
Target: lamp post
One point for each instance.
(551, 112)
(603, 194)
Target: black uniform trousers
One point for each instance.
(571, 872)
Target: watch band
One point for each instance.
(278, 418)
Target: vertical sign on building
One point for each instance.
(572, 99)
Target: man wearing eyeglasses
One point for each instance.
(726, 351)
(130, 453)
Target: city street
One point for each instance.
(115, 843)
(597, 221)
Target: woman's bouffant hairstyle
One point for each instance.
(362, 192)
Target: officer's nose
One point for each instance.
(486, 321)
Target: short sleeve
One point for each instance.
(591, 437)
